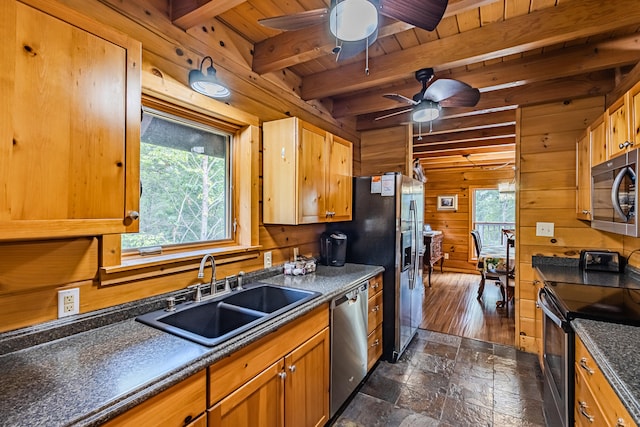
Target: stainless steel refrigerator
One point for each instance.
(386, 230)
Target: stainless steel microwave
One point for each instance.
(614, 194)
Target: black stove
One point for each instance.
(605, 303)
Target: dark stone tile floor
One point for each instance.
(449, 381)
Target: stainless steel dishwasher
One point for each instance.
(349, 316)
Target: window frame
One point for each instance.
(117, 266)
(230, 200)
(472, 215)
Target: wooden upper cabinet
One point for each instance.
(619, 127)
(306, 174)
(598, 141)
(69, 124)
(339, 181)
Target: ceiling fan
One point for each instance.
(354, 23)
(426, 104)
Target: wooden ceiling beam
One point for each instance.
(553, 65)
(506, 146)
(508, 131)
(293, 47)
(479, 121)
(567, 21)
(189, 13)
(592, 84)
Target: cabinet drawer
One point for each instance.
(175, 406)
(375, 285)
(375, 312)
(374, 351)
(586, 410)
(612, 407)
(228, 374)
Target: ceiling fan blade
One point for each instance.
(393, 114)
(296, 21)
(442, 89)
(466, 98)
(399, 98)
(425, 14)
(350, 49)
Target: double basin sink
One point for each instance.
(214, 321)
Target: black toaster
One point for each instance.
(601, 260)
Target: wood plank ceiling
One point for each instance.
(517, 52)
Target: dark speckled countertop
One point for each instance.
(614, 347)
(89, 377)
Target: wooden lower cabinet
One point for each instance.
(374, 325)
(281, 380)
(596, 404)
(259, 402)
(180, 405)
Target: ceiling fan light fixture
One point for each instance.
(353, 20)
(426, 111)
(207, 84)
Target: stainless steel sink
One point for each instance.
(213, 321)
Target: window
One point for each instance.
(493, 210)
(185, 177)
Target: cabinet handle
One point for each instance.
(583, 411)
(583, 365)
(282, 375)
(585, 212)
(620, 423)
(376, 308)
(621, 145)
(375, 343)
(133, 215)
(292, 368)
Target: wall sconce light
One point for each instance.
(207, 84)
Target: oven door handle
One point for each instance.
(549, 310)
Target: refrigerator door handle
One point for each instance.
(414, 224)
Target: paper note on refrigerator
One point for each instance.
(376, 185)
(388, 185)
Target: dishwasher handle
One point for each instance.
(350, 296)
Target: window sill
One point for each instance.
(141, 268)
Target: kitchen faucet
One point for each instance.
(212, 283)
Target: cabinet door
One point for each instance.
(634, 99)
(618, 127)
(258, 403)
(598, 140)
(583, 178)
(312, 151)
(307, 383)
(69, 124)
(339, 179)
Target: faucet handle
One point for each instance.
(240, 279)
(198, 288)
(227, 283)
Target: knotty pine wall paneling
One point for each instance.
(456, 225)
(385, 150)
(546, 192)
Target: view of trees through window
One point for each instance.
(184, 174)
(492, 211)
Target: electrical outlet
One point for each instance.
(544, 229)
(68, 302)
(446, 255)
(267, 259)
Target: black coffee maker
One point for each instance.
(333, 248)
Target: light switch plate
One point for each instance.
(544, 229)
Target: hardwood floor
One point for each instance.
(450, 306)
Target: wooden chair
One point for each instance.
(486, 274)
